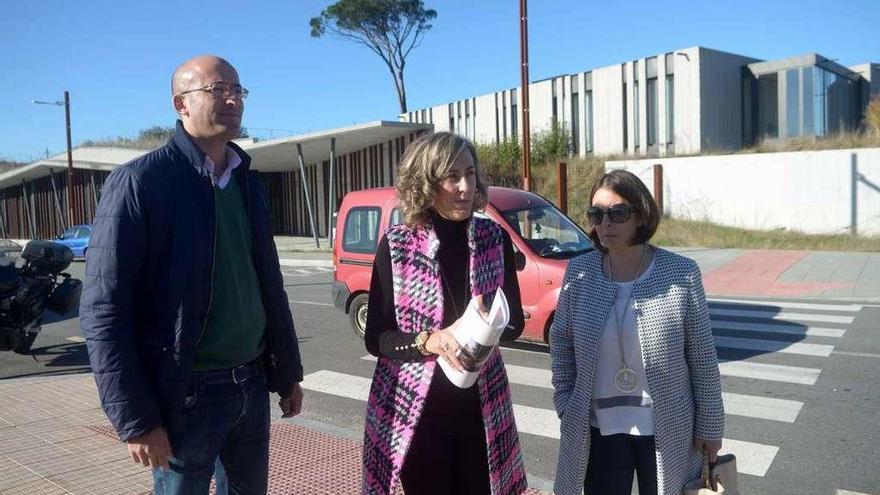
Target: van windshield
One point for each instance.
(548, 231)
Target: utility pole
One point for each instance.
(524, 83)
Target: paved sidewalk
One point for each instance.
(54, 439)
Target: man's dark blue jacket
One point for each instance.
(148, 284)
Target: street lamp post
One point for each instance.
(66, 105)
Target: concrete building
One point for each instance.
(681, 102)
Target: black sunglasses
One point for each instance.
(618, 213)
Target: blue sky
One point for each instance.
(116, 57)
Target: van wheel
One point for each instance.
(357, 313)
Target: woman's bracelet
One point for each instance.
(420, 341)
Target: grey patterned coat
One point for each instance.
(677, 350)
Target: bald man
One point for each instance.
(184, 311)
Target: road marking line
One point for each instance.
(748, 406)
(848, 492)
(751, 458)
(751, 406)
(858, 354)
(788, 329)
(781, 316)
(790, 305)
(821, 350)
(313, 303)
(771, 372)
(76, 338)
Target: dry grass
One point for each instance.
(683, 233)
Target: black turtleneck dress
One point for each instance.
(448, 451)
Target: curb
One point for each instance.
(301, 262)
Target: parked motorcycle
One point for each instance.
(26, 291)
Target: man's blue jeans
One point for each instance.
(226, 415)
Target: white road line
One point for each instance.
(771, 372)
(788, 329)
(76, 338)
(313, 303)
(752, 458)
(790, 305)
(821, 350)
(748, 406)
(858, 354)
(762, 407)
(781, 316)
(848, 492)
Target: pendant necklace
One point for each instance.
(626, 380)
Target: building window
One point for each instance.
(467, 118)
(575, 115)
(670, 104)
(625, 121)
(768, 106)
(792, 103)
(808, 120)
(652, 112)
(504, 114)
(588, 122)
(555, 100)
(497, 130)
(451, 118)
(513, 105)
(636, 122)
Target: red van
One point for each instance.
(544, 239)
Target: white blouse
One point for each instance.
(613, 411)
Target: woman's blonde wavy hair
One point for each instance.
(423, 167)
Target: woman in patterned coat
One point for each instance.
(635, 373)
(422, 430)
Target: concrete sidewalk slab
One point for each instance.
(55, 439)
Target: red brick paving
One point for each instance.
(49, 450)
(757, 273)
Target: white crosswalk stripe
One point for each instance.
(788, 329)
(774, 346)
(780, 316)
(789, 304)
(760, 319)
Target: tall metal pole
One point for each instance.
(331, 206)
(524, 83)
(302, 173)
(69, 160)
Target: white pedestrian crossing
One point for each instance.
(736, 404)
(752, 458)
(759, 326)
(780, 316)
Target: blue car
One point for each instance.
(77, 239)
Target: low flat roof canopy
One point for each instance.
(279, 155)
(275, 155)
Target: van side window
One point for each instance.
(395, 217)
(361, 233)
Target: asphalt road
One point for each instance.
(802, 385)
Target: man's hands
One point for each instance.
(292, 404)
(151, 449)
